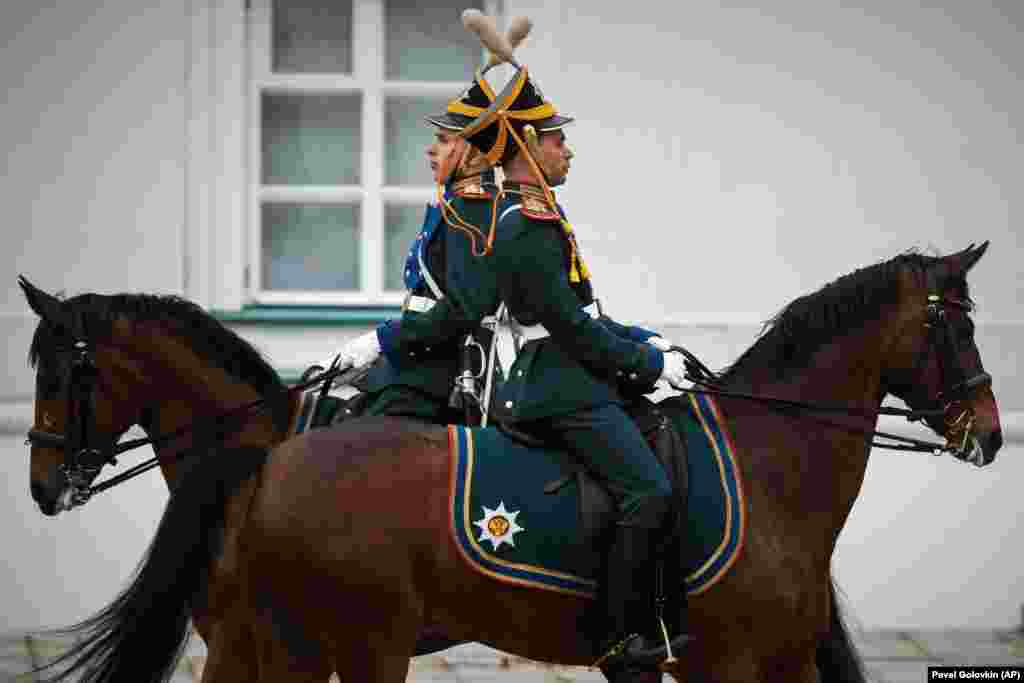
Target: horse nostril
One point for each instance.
(37, 491)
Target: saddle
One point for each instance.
(596, 505)
(597, 510)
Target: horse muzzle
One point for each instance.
(979, 449)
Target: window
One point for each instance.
(338, 178)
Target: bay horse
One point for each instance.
(172, 367)
(347, 548)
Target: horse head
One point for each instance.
(99, 360)
(934, 364)
(77, 420)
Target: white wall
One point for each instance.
(782, 143)
(92, 143)
(728, 160)
(92, 147)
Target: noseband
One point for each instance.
(958, 417)
(83, 459)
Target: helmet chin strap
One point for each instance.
(541, 163)
(462, 164)
(531, 151)
(447, 168)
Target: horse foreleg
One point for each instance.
(377, 648)
(230, 655)
(278, 665)
(360, 665)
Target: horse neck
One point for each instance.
(810, 468)
(185, 388)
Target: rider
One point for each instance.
(450, 289)
(568, 380)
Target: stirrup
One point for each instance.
(615, 650)
(635, 653)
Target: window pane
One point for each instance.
(402, 223)
(407, 136)
(312, 37)
(426, 41)
(312, 247)
(311, 139)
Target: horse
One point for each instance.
(346, 549)
(181, 367)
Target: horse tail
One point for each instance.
(142, 633)
(837, 658)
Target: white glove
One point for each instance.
(659, 343)
(360, 351)
(674, 370)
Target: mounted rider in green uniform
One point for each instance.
(575, 365)
(425, 366)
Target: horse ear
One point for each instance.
(966, 259)
(46, 306)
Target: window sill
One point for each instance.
(318, 316)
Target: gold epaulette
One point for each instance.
(534, 204)
(471, 188)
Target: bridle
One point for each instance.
(84, 458)
(958, 417)
(948, 404)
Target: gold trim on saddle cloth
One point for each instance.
(465, 521)
(741, 504)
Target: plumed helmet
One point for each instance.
(489, 121)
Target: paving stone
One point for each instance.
(902, 671)
(13, 671)
(1016, 644)
(963, 647)
(887, 645)
(432, 677)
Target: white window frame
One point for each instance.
(367, 79)
(215, 157)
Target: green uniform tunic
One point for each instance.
(415, 374)
(568, 387)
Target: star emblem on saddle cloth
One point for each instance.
(498, 526)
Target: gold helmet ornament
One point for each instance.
(464, 167)
(498, 130)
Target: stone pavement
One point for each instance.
(890, 657)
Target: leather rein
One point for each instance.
(83, 461)
(947, 404)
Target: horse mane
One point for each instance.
(789, 339)
(205, 335)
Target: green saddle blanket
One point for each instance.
(508, 528)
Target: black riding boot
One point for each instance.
(635, 642)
